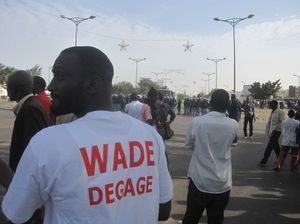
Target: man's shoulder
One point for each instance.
(31, 103)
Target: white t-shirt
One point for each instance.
(134, 109)
(288, 128)
(105, 167)
(211, 136)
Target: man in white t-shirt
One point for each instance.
(210, 136)
(104, 167)
(138, 110)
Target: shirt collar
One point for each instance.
(216, 113)
(19, 105)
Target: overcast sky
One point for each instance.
(267, 45)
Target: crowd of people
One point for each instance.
(111, 166)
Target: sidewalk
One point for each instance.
(6, 104)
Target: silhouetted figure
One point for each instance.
(179, 106)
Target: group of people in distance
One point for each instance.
(276, 127)
(106, 166)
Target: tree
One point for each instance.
(145, 84)
(35, 70)
(4, 72)
(271, 88)
(257, 91)
(182, 96)
(123, 87)
(265, 90)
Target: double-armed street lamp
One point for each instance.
(136, 60)
(157, 74)
(208, 80)
(77, 21)
(298, 77)
(233, 22)
(216, 60)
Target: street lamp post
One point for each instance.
(208, 79)
(298, 76)
(77, 21)
(136, 60)
(216, 60)
(233, 22)
(298, 87)
(206, 84)
(157, 74)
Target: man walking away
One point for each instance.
(138, 110)
(234, 112)
(210, 172)
(179, 106)
(248, 108)
(273, 129)
(288, 141)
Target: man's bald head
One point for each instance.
(82, 81)
(19, 84)
(219, 100)
(93, 62)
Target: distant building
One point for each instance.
(292, 91)
(246, 90)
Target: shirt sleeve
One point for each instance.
(189, 139)
(165, 181)
(24, 193)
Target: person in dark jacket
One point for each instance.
(234, 112)
(31, 117)
(5, 175)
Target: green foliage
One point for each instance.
(4, 72)
(145, 84)
(182, 96)
(35, 70)
(123, 87)
(265, 90)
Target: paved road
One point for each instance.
(259, 195)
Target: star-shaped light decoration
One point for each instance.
(188, 46)
(123, 46)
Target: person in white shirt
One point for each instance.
(288, 141)
(138, 110)
(273, 130)
(104, 167)
(210, 136)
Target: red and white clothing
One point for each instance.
(138, 110)
(288, 132)
(44, 100)
(211, 136)
(105, 167)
